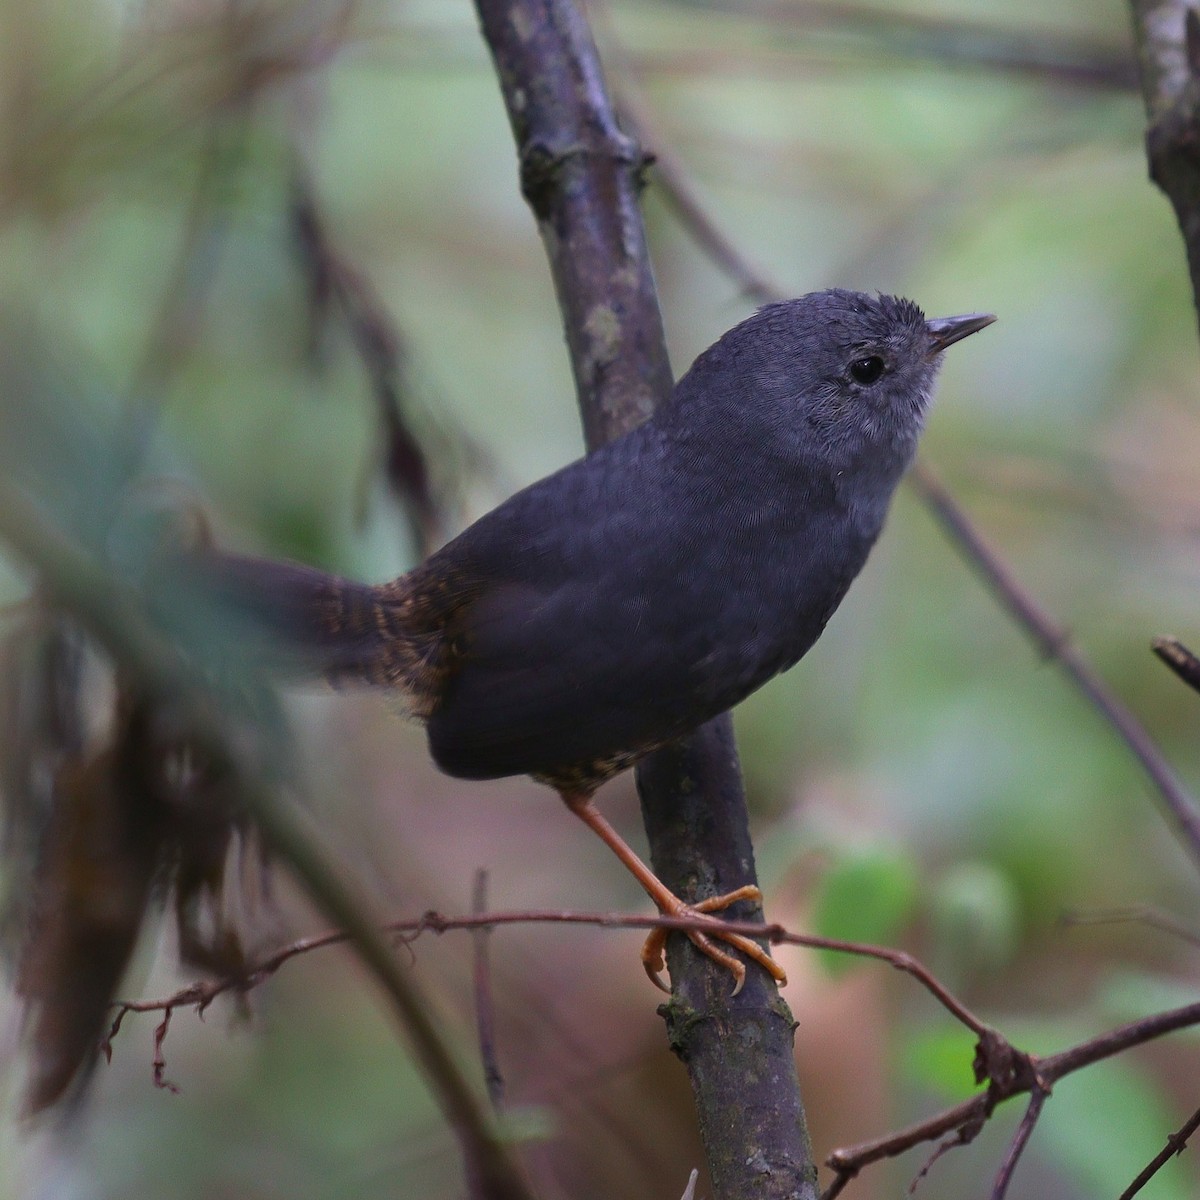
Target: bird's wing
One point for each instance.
(541, 679)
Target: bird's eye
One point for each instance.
(867, 370)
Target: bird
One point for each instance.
(629, 597)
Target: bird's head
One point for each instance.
(836, 370)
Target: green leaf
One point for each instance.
(975, 912)
(940, 1060)
(1126, 995)
(866, 897)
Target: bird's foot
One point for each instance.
(653, 949)
(670, 905)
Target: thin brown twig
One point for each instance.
(381, 348)
(857, 36)
(160, 1060)
(203, 994)
(672, 178)
(177, 322)
(427, 51)
(1037, 1098)
(899, 959)
(900, 35)
(176, 325)
(960, 1137)
(1051, 639)
(1009, 1073)
(1176, 1144)
(838, 1185)
(680, 194)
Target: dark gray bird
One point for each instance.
(635, 594)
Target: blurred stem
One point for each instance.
(335, 283)
(176, 326)
(110, 611)
(1054, 642)
(581, 175)
(940, 39)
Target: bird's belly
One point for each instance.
(600, 682)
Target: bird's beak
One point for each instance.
(945, 331)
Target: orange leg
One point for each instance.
(670, 905)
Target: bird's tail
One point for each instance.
(296, 621)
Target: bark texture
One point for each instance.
(1167, 35)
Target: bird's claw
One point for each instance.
(653, 957)
(653, 960)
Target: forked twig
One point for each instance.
(1007, 1071)
(1043, 1073)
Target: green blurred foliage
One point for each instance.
(975, 913)
(864, 897)
(146, 258)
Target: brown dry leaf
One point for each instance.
(138, 816)
(93, 884)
